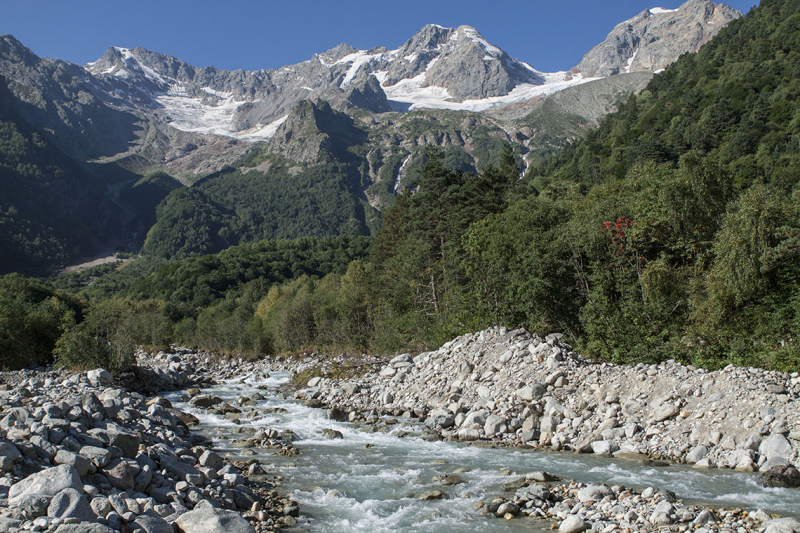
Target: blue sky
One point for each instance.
(252, 34)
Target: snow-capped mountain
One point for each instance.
(150, 110)
(442, 68)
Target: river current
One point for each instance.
(370, 481)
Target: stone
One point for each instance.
(781, 476)
(507, 508)
(177, 467)
(100, 506)
(211, 459)
(7, 524)
(209, 520)
(775, 446)
(9, 454)
(119, 474)
(98, 456)
(573, 524)
(704, 518)
(143, 479)
(99, 377)
(431, 495)
(782, 525)
(47, 482)
(695, 454)
(82, 464)
(594, 493)
(332, 434)
(70, 503)
(665, 411)
(351, 388)
(386, 398)
(494, 425)
(84, 527)
(604, 447)
(153, 524)
(468, 434)
(337, 414)
(531, 392)
(33, 505)
(115, 435)
(540, 477)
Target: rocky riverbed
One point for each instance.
(80, 453)
(517, 389)
(83, 452)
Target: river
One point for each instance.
(370, 481)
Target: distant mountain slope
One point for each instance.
(51, 209)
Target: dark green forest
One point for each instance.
(669, 232)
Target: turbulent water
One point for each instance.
(345, 485)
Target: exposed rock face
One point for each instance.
(655, 38)
(459, 60)
(63, 99)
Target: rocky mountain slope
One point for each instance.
(655, 38)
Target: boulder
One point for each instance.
(775, 446)
(209, 520)
(211, 459)
(781, 476)
(7, 524)
(573, 524)
(695, 454)
(99, 377)
(494, 425)
(468, 434)
(33, 505)
(665, 411)
(604, 447)
(152, 524)
(119, 474)
(594, 493)
(47, 482)
(69, 503)
(82, 464)
(331, 434)
(783, 525)
(9, 454)
(204, 401)
(531, 392)
(98, 456)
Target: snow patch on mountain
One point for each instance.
(661, 11)
(414, 94)
(473, 35)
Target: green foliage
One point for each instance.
(32, 318)
(110, 333)
(235, 207)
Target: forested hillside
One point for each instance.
(49, 205)
(671, 231)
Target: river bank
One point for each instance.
(517, 389)
(80, 452)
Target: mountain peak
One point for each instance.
(655, 38)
